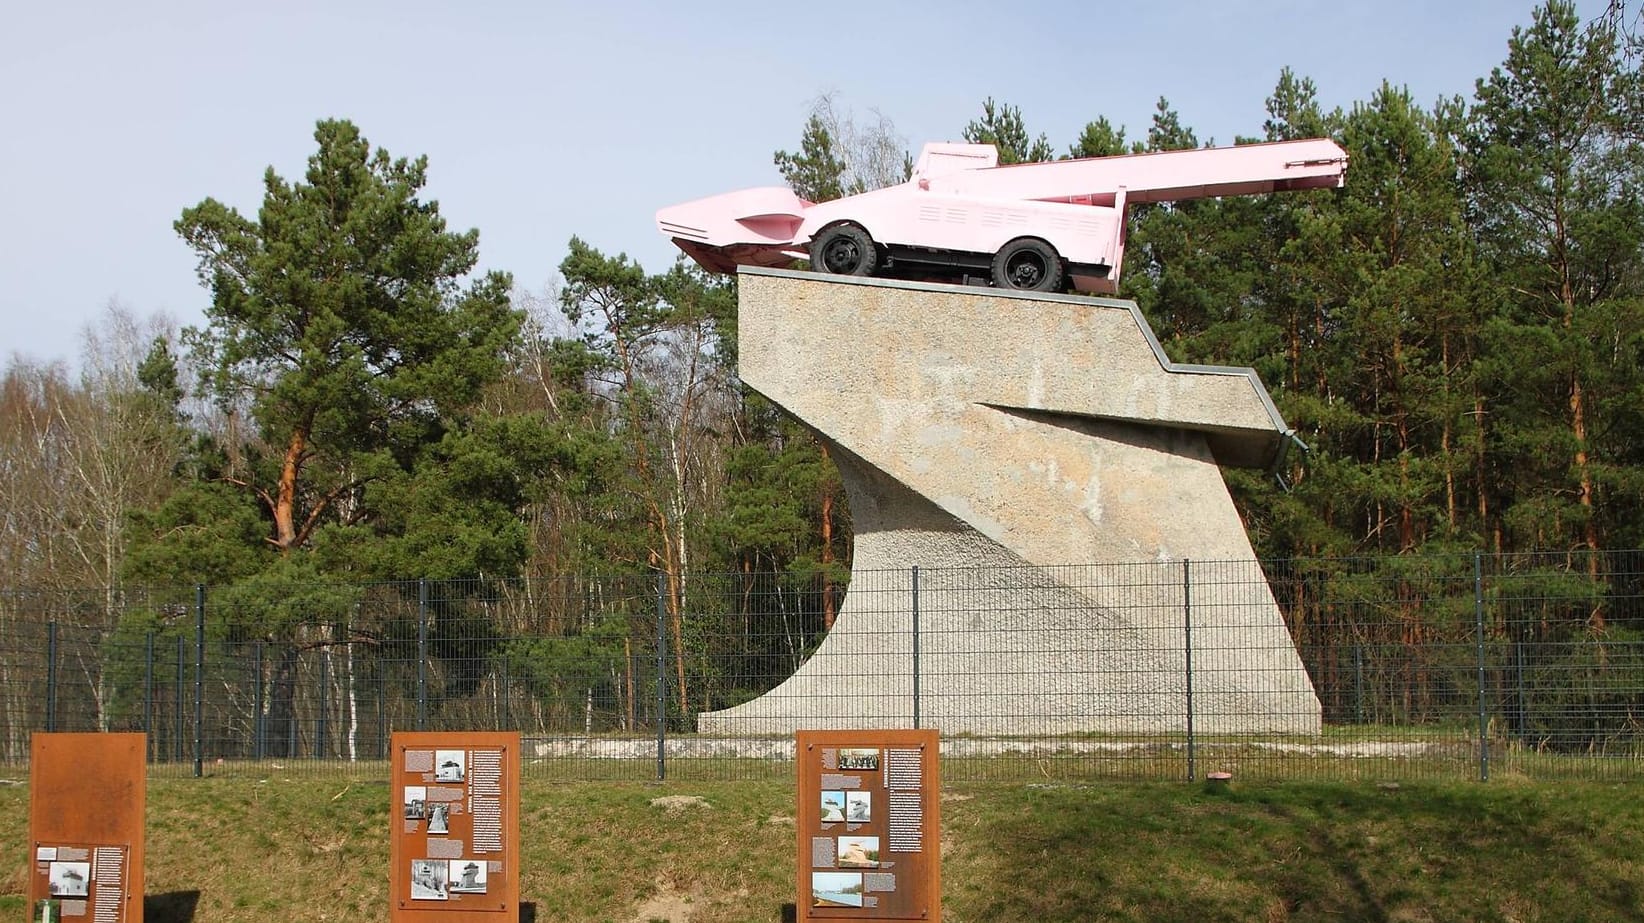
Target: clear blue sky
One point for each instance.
(548, 119)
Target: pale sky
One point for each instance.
(543, 120)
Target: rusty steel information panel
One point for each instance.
(454, 821)
(869, 825)
(87, 794)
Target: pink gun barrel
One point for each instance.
(1164, 176)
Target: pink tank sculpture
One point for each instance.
(1030, 227)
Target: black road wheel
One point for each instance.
(1028, 264)
(846, 250)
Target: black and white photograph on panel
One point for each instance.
(467, 876)
(450, 765)
(416, 802)
(439, 818)
(858, 807)
(70, 879)
(429, 878)
(859, 759)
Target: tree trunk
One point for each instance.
(828, 608)
(353, 705)
(282, 705)
(630, 719)
(1583, 470)
(676, 622)
(284, 507)
(1480, 479)
(1444, 440)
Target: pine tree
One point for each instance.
(337, 323)
(1001, 125)
(1556, 166)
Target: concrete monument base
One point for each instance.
(993, 439)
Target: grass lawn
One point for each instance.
(238, 848)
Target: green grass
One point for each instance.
(238, 848)
(1311, 851)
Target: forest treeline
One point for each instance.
(1455, 335)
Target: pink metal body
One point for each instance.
(960, 207)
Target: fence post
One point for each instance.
(320, 724)
(1358, 683)
(422, 654)
(502, 691)
(259, 721)
(1520, 723)
(1483, 715)
(1187, 648)
(178, 699)
(199, 680)
(51, 676)
(148, 686)
(916, 647)
(661, 677)
(382, 716)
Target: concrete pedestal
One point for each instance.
(990, 438)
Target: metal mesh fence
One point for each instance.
(1470, 666)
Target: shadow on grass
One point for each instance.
(170, 907)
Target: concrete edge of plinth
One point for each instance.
(1176, 368)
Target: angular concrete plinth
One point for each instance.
(979, 432)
